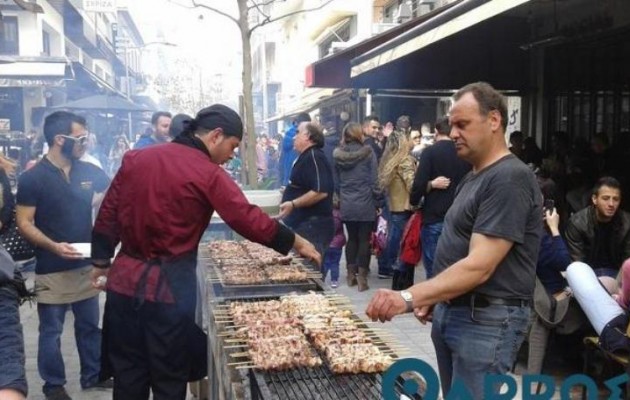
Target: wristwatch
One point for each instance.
(408, 297)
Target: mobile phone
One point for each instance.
(548, 205)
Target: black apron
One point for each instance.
(178, 275)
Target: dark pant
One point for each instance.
(12, 374)
(472, 343)
(331, 263)
(86, 332)
(319, 231)
(430, 235)
(148, 347)
(358, 244)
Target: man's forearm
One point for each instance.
(309, 198)
(36, 237)
(458, 279)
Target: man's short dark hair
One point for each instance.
(488, 98)
(178, 124)
(370, 118)
(315, 134)
(442, 126)
(302, 117)
(60, 123)
(216, 116)
(608, 181)
(156, 116)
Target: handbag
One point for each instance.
(378, 238)
(15, 244)
(410, 245)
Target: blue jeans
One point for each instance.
(12, 373)
(429, 237)
(317, 230)
(87, 335)
(395, 229)
(470, 343)
(331, 263)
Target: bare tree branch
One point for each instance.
(195, 4)
(270, 20)
(259, 8)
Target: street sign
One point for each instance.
(105, 6)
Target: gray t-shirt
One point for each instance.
(504, 201)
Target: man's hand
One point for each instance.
(385, 305)
(99, 278)
(285, 209)
(553, 221)
(441, 182)
(65, 250)
(388, 129)
(424, 314)
(307, 250)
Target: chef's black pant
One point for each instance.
(148, 347)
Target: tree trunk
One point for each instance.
(248, 103)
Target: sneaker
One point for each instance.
(102, 385)
(58, 393)
(334, 284)
(386, 275)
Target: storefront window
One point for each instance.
(9, 38)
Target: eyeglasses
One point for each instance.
(81, 140)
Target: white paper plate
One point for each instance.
(84, 248)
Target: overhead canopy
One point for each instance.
(103, 102)
(334, 71)
(474, 40)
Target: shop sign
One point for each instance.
(5, 124)
(104, 6)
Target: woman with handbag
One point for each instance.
(395, 176)
(356, 173)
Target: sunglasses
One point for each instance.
(81, 140)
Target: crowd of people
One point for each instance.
(496, 219)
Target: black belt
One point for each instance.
(482, 300)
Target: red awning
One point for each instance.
(334, 71)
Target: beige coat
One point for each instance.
(400, 186)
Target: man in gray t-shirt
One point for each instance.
(486, 257)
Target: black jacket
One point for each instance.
(582, 243)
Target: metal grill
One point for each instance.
(313, 383)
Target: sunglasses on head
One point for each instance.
(82, 140)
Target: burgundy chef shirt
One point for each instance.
(158, 206)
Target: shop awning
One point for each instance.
(90, 81)
(25, 68)
(311, 99)
(334, 71)
(474, 40)
(33, 72)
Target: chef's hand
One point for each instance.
(385, 305)
(424, 314)
(65, 250)
(285, 209)
(307, 250)
(99, 278)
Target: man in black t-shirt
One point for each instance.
(436, 179)
(307, 200)
(54, 212)
(599, 235)
(485, 261)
